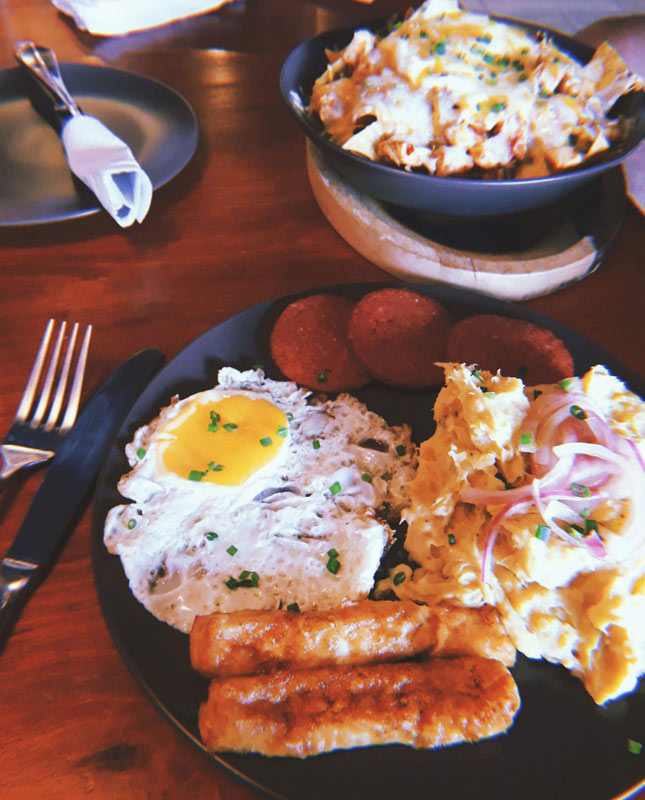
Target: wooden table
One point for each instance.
(237, 226)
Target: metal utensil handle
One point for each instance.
(14, 578)
(43, 67)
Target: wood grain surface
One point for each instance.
(239, 225)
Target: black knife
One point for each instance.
(67, 481)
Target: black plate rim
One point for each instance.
(73, 72)
(234, 763)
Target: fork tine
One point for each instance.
(62, 381)
(46, 389)
(77, 384)
(34, 376)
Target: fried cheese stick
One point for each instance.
(423, 704)
(251, 642)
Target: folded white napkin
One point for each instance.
(116, 17)
(105, 163)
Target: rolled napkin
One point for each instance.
(106, 165)
(117, 17)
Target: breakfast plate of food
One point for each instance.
(460, 113)
(386, 539)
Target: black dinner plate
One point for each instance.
(36, 185)
(562, 745)
(452, 195)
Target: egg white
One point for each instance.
(184, 544)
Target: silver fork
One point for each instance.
(36, 432)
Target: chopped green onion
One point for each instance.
(523, 77)
(282, 431)
(440, 49)
(475, 372)
(216, 467)
(258, 366)
(289, 416)
(316, 444)
(211, 535)
(230, 426)
(386, 476)
(580, 490)
(398, 578)
(244, 575)
(141, 452)
(322, 377)
(132, 523)
(335, 488)
(293, 607)
(451, 539)
(565, 384)
(577, 412)
(196, 474)
(497, 107)
(576, 531)
(400, 450)
(333, 564)
(266, 441)
(634, 747)
(542, 532)
(526, 438)
(215, 418)
(232, 550)
(423, 35)
(366, 477)
(490, 395)
(591, 526)
(231, 584)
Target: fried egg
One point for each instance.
(258, 494)
(532, 500)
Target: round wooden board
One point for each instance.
(514, 257)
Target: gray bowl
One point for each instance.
(452, 196)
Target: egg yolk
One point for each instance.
(224, 442)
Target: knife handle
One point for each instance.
(14, 579)
(42, 66)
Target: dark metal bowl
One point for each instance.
(454, 196)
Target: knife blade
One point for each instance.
(68, 479)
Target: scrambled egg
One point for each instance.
(532, 499)
(450, 92)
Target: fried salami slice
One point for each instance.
(398, 335)
(430, 704)
(309, 344)
(515, 347)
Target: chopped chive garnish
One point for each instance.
(282, 431)
(423, 35)
(231, 583)
(211, 535)
(196, 475)
(634, 747)
(258, 366)
(132, 523)
(216, 467)
(232, 550)
(565, 384)
(591, 526)
(335, 488)
(536, 393)
(526, 438)
(400, 450)
(484, 389)
(230, 426)
(451, 539)
(322, 377)
(316, 444)
(266, 441)
(289, 416)
(333, 564)
(214, 421)
(386, 476)
(440, 49)
(366, 477)
(576, 531)
(542, 532)
(497, 107)
(293, 607)
(398, 578)
(475, 372)
(244, 575)
(580, 490)
(141, 452)
(577, 412)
